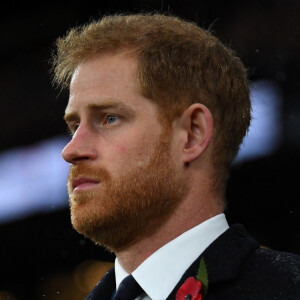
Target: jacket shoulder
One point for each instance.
(240, 269)
(269, 272)
(276, 262)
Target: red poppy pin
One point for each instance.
(194, 289)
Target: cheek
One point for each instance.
(135, 146)
(130, 154)
(133, 150)
(122, 149)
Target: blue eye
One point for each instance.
(110, 119)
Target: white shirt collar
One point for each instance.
(160, 272)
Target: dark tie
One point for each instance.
(128, 289)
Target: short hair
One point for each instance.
(179, 64)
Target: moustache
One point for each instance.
(98, 174)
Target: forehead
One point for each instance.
(106, 77)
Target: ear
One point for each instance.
(197, 121)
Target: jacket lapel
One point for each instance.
(223, 259)
(104, 288)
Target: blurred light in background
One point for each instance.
(75, 285)
(33, 179)
(265, 132)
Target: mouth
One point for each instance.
(83, 183)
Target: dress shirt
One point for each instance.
(161, 271)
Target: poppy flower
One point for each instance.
(190, 290)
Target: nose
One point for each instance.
(80, 148)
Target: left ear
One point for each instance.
(197, 121)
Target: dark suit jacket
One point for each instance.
(237, 269)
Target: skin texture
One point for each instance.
(135, 184)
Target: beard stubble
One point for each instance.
(128, 208)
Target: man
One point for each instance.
(158, 108)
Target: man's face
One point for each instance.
(123, 181)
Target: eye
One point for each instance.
(109, 119)
(72, 128)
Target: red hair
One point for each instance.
(179, 64)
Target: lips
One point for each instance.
(83, 183)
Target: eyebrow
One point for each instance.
(121, 107)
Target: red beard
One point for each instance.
(123, 210)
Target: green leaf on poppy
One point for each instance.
(202, 275)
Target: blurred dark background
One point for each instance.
(41, 256)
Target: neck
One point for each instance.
(183, 219)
